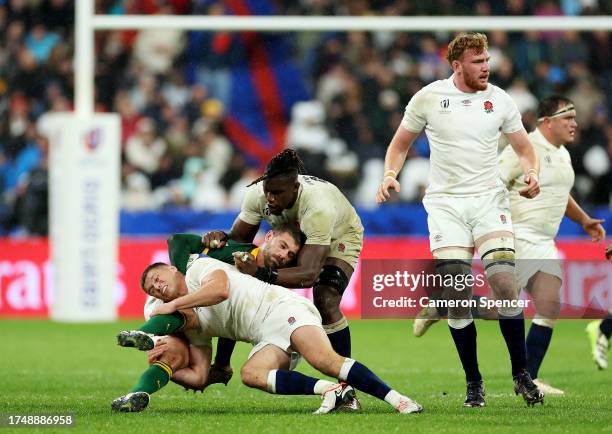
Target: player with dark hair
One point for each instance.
(333, 237)
(225, 302)
(536, 222)
(599, 333)
(466, 201)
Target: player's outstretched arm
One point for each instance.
(528, 158)
(590, 225)
(180, 246)
(394, 161)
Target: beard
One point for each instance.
(472, 81)
(269, 259)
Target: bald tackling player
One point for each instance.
(275, 320)
(279, 248)
(466, 202)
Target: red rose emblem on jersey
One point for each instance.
(291, 320)
(341, 247)
(488, 106)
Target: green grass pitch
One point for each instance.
(51, 368)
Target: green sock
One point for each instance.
(162, 325)
(154, 378)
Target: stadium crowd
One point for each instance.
(172, 90)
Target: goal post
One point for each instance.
(85, 147)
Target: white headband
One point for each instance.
(562, 111)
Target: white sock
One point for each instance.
(272, 381)
(393, 398)
(345, 368)
(322, 386)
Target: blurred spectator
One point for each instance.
(136, 193)
(156, 49)
(524, 99)
(215, 149)
(145, 149)
(40, 42)
(172, 91)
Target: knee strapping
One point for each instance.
(334, 277)
(497, 255)
(454, 262)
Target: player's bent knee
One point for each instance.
(176, 354)
(250, 376)
(332, 277)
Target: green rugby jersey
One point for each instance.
(181, 246)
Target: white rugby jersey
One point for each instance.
(463, 130)
(240, 316)
(537, 220)
(322, 212)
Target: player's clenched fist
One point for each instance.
(214, 239)
(387, 183)
(533, 187)
(245, 262)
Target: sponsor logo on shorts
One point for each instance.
(488, 107)
(341, 247)
(291, 320)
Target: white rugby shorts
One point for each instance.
(531, 258)
(284, 318)
(458, 221)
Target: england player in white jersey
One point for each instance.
(330, 224)
(536, 222)
(466, 202)
(275, 320)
